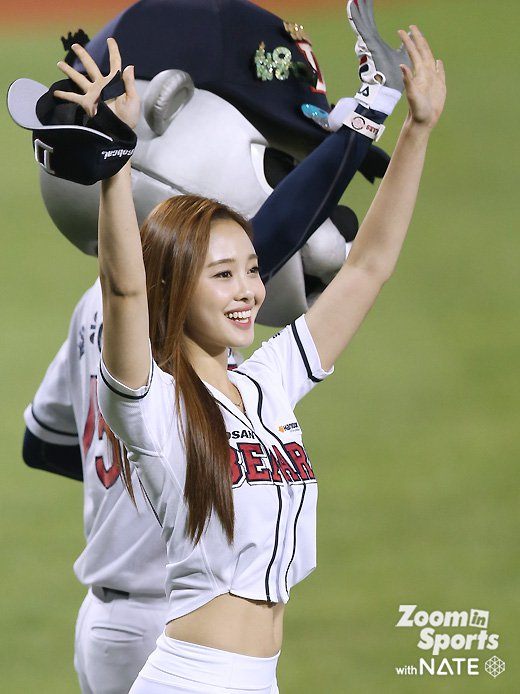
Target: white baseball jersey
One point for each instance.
(274, 485)
(124, 549)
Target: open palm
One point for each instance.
(425, 84)
(126, 107)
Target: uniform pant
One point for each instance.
(178, 667)
(114, 637)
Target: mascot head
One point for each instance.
(222, 84)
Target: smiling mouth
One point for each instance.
(242, 318)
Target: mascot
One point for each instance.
(233, 100)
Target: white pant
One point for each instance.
(113, 640)
(178, 667)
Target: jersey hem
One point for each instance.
(209, 596)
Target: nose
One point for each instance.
(244, 291)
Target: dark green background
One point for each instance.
(414, 439)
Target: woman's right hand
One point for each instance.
(126, 107)
(425, 83)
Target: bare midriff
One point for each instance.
(235, 624)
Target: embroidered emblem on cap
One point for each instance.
(310, 70)
(296, 32)
(275, 64)
(280, 64)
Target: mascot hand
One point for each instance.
(126, 107)
(378, 62)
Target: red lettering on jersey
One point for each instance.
(284, 467)
(88, 433)
(301, 462)
(237, 473)
(275, 472)
(255, 461)
(306, 48)
(108, 477)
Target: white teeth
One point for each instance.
(239, 315)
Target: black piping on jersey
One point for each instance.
(51, 429)
(278, 490)
(303, 355)
(275, 548)
(260, 399)
(125, 395)
(148, 500)
(248, 424)
(294, 541)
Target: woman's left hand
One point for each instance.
(425, 84)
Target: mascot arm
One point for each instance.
(308, 195)
(52, 457)
(51, 440)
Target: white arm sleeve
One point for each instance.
(50, 416)
(141, 418)
(291, 357)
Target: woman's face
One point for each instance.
(229, 292)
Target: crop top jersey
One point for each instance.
(274, 484)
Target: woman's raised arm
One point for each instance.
(126, 351)
(339, 311)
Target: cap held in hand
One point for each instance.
(67, 143)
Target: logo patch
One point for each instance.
(292, 426)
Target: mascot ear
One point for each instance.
(165, 96)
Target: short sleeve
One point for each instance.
(290, 357)
(50, 416)
(141, 418)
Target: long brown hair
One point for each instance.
(175, 239)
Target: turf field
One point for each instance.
(413, 439)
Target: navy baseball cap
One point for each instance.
(260, 64)
(67, 143)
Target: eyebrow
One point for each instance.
(253, 256)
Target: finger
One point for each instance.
(79, 79)
(115, 55)
(88, 104)
(422, 44)
(403, 53)
(68, 96)
(87, 61)
(407, 75)
(129, 80)
(411, 49)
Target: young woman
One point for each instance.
(189, 286)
